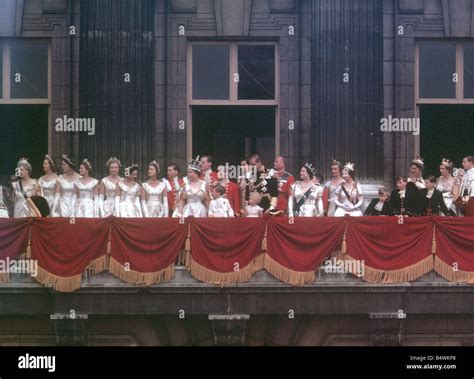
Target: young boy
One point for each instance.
(220, 206)
(432, 202)
(380, 206)
(252, 209)
(403, 202)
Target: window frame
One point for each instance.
(459, 67)
(233, 62)
(6, 88)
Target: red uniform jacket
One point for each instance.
(284, 187)
(172, 193)
(213, 176)
(232, 193)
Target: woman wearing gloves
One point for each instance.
(194, 197)
(107, 188)
(63, 200)
(306, 198)
(154, 194)
(127, 194)
(85, 195)
(349, 197)
(48, 180)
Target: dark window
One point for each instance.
(437, 66)
(211, 72)
(29, 70)
(469, 70)
(256, 72)
(1, 70)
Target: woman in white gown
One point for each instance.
(154, 194)
(306, 197)
(194, 198)
(107, 188)
(446, 183)
(48, 180)
(63, 200)
(85, 193)
(333, 184)
(127, 194)
(24, 188)
(349, 196)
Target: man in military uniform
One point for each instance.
(285, 180)
(264, 184)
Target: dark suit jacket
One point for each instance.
(436, 204)
(386, 209)
(410, 202)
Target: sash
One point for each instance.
(301, 201)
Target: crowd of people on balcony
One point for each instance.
(255, 192)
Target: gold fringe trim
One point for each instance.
(406, 274)
(109, 241)
(344, 244)
(433, 242)
(206, 275)
(264, 241)
(58, 283)
(184, 255)
(286, 275)
(140, 278)
(98, 265)
(4, 277)
(447, 272)
(28, 248)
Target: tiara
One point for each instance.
(310, 167)
(112, 160)
(154, 163)
(86, 162)
(447, 163)
(335, 161)
(128, 169)
(24, 162)
(418, 160)
(67, 160)
(48, 157)
(350, 166)
(195, 164)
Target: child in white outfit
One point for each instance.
(220, 206)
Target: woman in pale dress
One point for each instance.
(63, 200)
(306, 197)
(332, 185)
(154, 195)
(24, 188)
(86, 193)
(48, 180)
(194, 199)
(446, 183)
(349, 197)
(127, 194)
(107, 188)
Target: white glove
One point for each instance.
(117, 206)
(138, 208)
(101, 205)
(54, 212)
(144, 209)
(73, 205)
